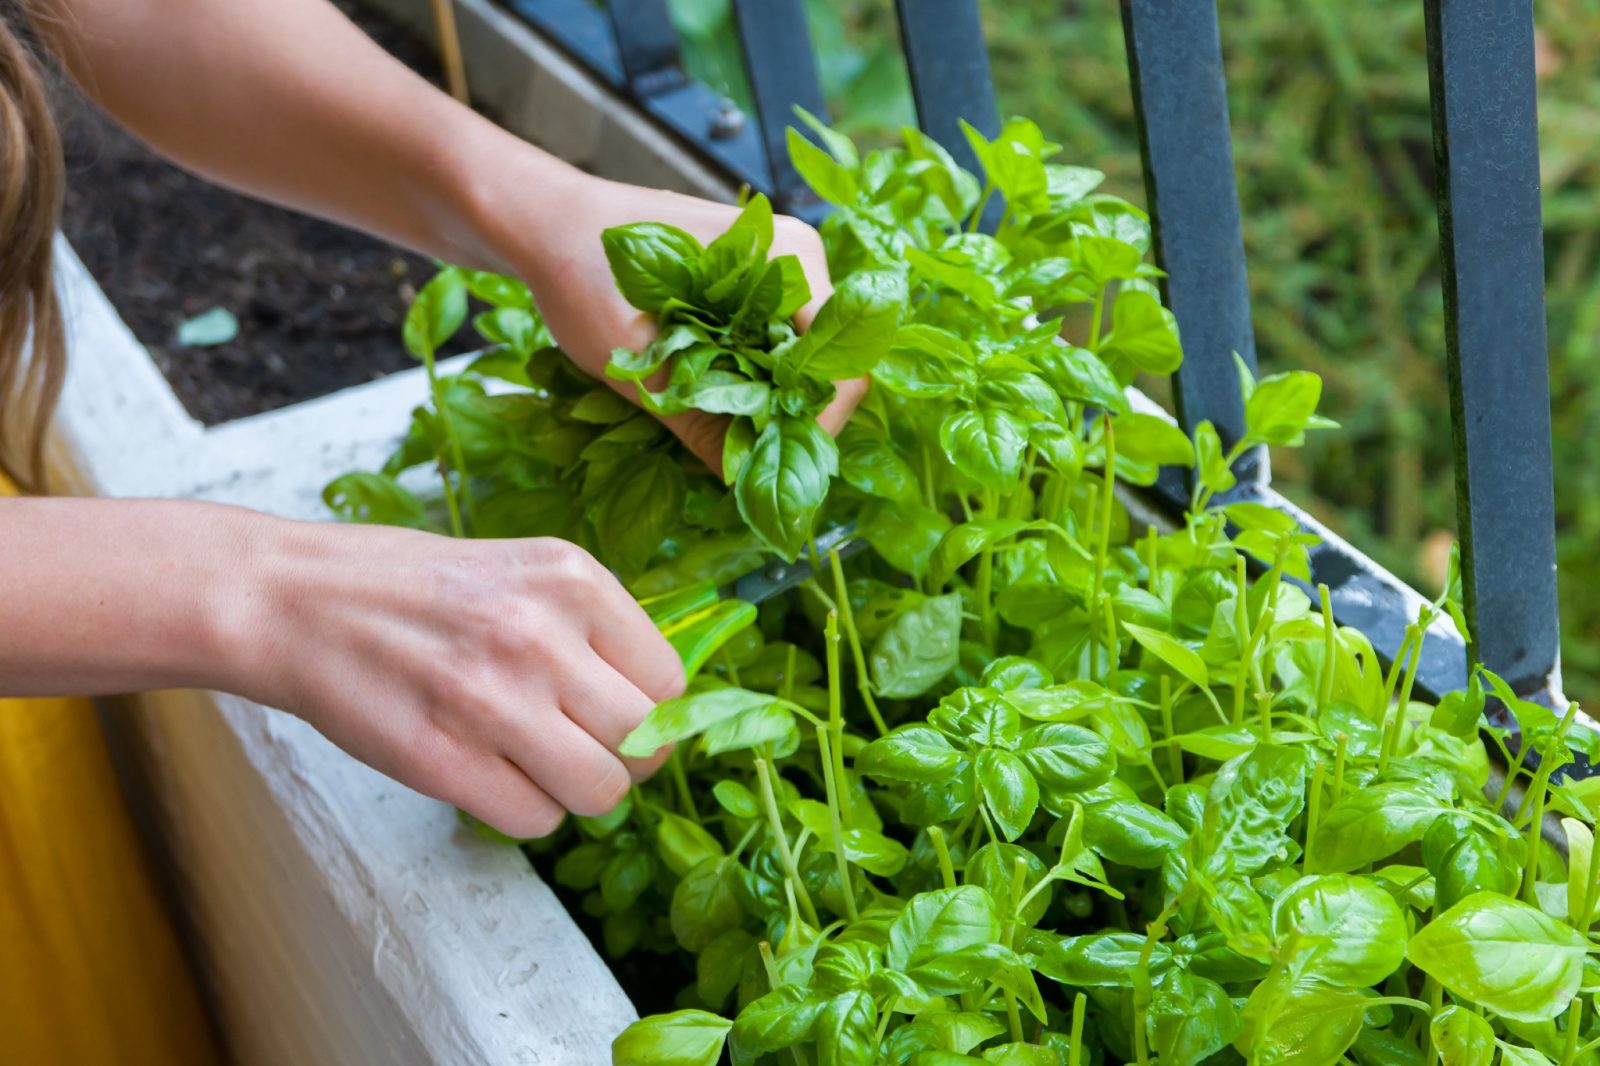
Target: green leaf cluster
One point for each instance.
(1027, 783)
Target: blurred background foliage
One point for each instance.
(1333, 150)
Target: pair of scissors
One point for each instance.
(777, 577)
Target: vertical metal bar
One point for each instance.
(948, 61)
(782, 68)
(1180, 102)
(1486, 143)
(647, 43)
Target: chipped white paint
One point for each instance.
(341, 918)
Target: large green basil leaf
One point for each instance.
(1282, 406)
(705, 904)
(905, 534)
(1290, 1020)
(434, 316)
(910, 753)
(986, 444)
(1079, 375)
(1372, 824)
(1144, 333)
(375, 498)
(962, 543)
(640, 508)
(1009, 789)
(684, 844)
(869, 462)
(733, 263)
(780, 1019)
(1250, 803)
(783, 482)
(682, 1038)
(1361, 929)
(852, 330)
(1503, 955)
(1190, 1019)
(1066, 758)
(919, 648)
(827, 178)
(940, 923)
(1184, 660)
(845, 1031)
(1131, 833)
(689, 715)
(992, 868)
(652, 263)
(1098, 960)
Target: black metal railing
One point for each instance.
(1486, 144)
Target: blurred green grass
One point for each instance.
(1332, 147)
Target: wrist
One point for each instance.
(244, 614)
(514, 200)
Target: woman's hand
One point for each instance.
(565, 265)
(498, 676)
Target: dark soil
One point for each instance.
(319, 307)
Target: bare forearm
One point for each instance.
(500, 676)
(100, 596)
(290, 102)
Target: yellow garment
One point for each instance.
(90, 970)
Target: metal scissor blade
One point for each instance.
(778, 577)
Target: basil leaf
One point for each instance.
(918, 649)
(689, 715)
(1462, 1037)
(1185, 661)
(375, 498)
(904, 533)
(1009, 790)
(1503, 955)
(1371, 824)
(827, 178)
(1131, 833)
(852, 330)
(845, 1030)
(780, 1019)
(1100, 960)
(991, 868)
(640, 508)
(1190, 1019)
(1281, 406)
(1295, 1021)
(1143, 333)
(942, 922)
(652, 263)
(870, 463)
(1361, 931)
(683, 1038)
(1067, 758)
(909, 753)
(705, 904)
(1250, 803)
(434, 316)
(733, 263)
(986, 444)
(784, 480)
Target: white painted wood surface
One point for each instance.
(342, 918)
